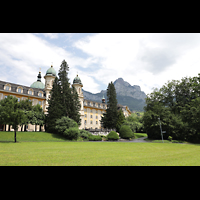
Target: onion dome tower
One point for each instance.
(78, 85)
(49, 79)
(103, 100)
(38, 84)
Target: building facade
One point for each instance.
(39, 93)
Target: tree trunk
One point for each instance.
(15, 136)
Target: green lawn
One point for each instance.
(40, 148)
(98, 153)
(30, 137)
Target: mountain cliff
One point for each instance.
(132, 96)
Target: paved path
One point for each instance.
(134, 140)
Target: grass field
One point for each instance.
(55, 152)
(30, 137)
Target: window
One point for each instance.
(18, 99)
(96, 117)
(90, 116)
(85, 122)
(85, 115)
(96, 111)
(5, 96)
(96, 122)
(40, 102)
(85, 110)
(7, 88)
(93, 104)
(19, 90)
(30, 92)
(90, 122)
(40, 94)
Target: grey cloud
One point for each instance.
(160, 51)
(157, 59)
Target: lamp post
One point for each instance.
(161, 129)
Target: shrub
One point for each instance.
(125, 132)
(65, 123)
(95, 138)
(170, 138)
(72, 133)
(112, 136)
(84, 134)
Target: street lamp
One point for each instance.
(161, 129)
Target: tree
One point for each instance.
(66, 96)
(64, 100)
(177, 104)
(75, 106)
(11, 113)
(134, 122)
(120, 120)
(36, 116)
(26, 106)
(55, 109)
(109, 119)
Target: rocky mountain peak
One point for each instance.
(132, 96)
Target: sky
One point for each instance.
(145, 59)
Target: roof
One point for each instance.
(77, 80)
(51, 71)
(24, 91)
(38, 84)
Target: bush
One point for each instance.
(72, 133)
(112, 136)
(95, 138)
(65, 123)
(125, 132)
(170, 138)
(85, 134)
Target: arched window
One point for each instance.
(7, 87)
(20, 89)
(30, 92)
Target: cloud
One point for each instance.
(51, 35)
(148, 60)
(23, 54)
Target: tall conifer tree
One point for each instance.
(75, 107)
(64, 100)
(55, 107)
(109, 118)
(65, 89)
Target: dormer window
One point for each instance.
(19, 89)
(7, 87)
(30, 92)
(40, 94)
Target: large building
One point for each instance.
(91, 111)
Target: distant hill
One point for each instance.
(132, 96)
